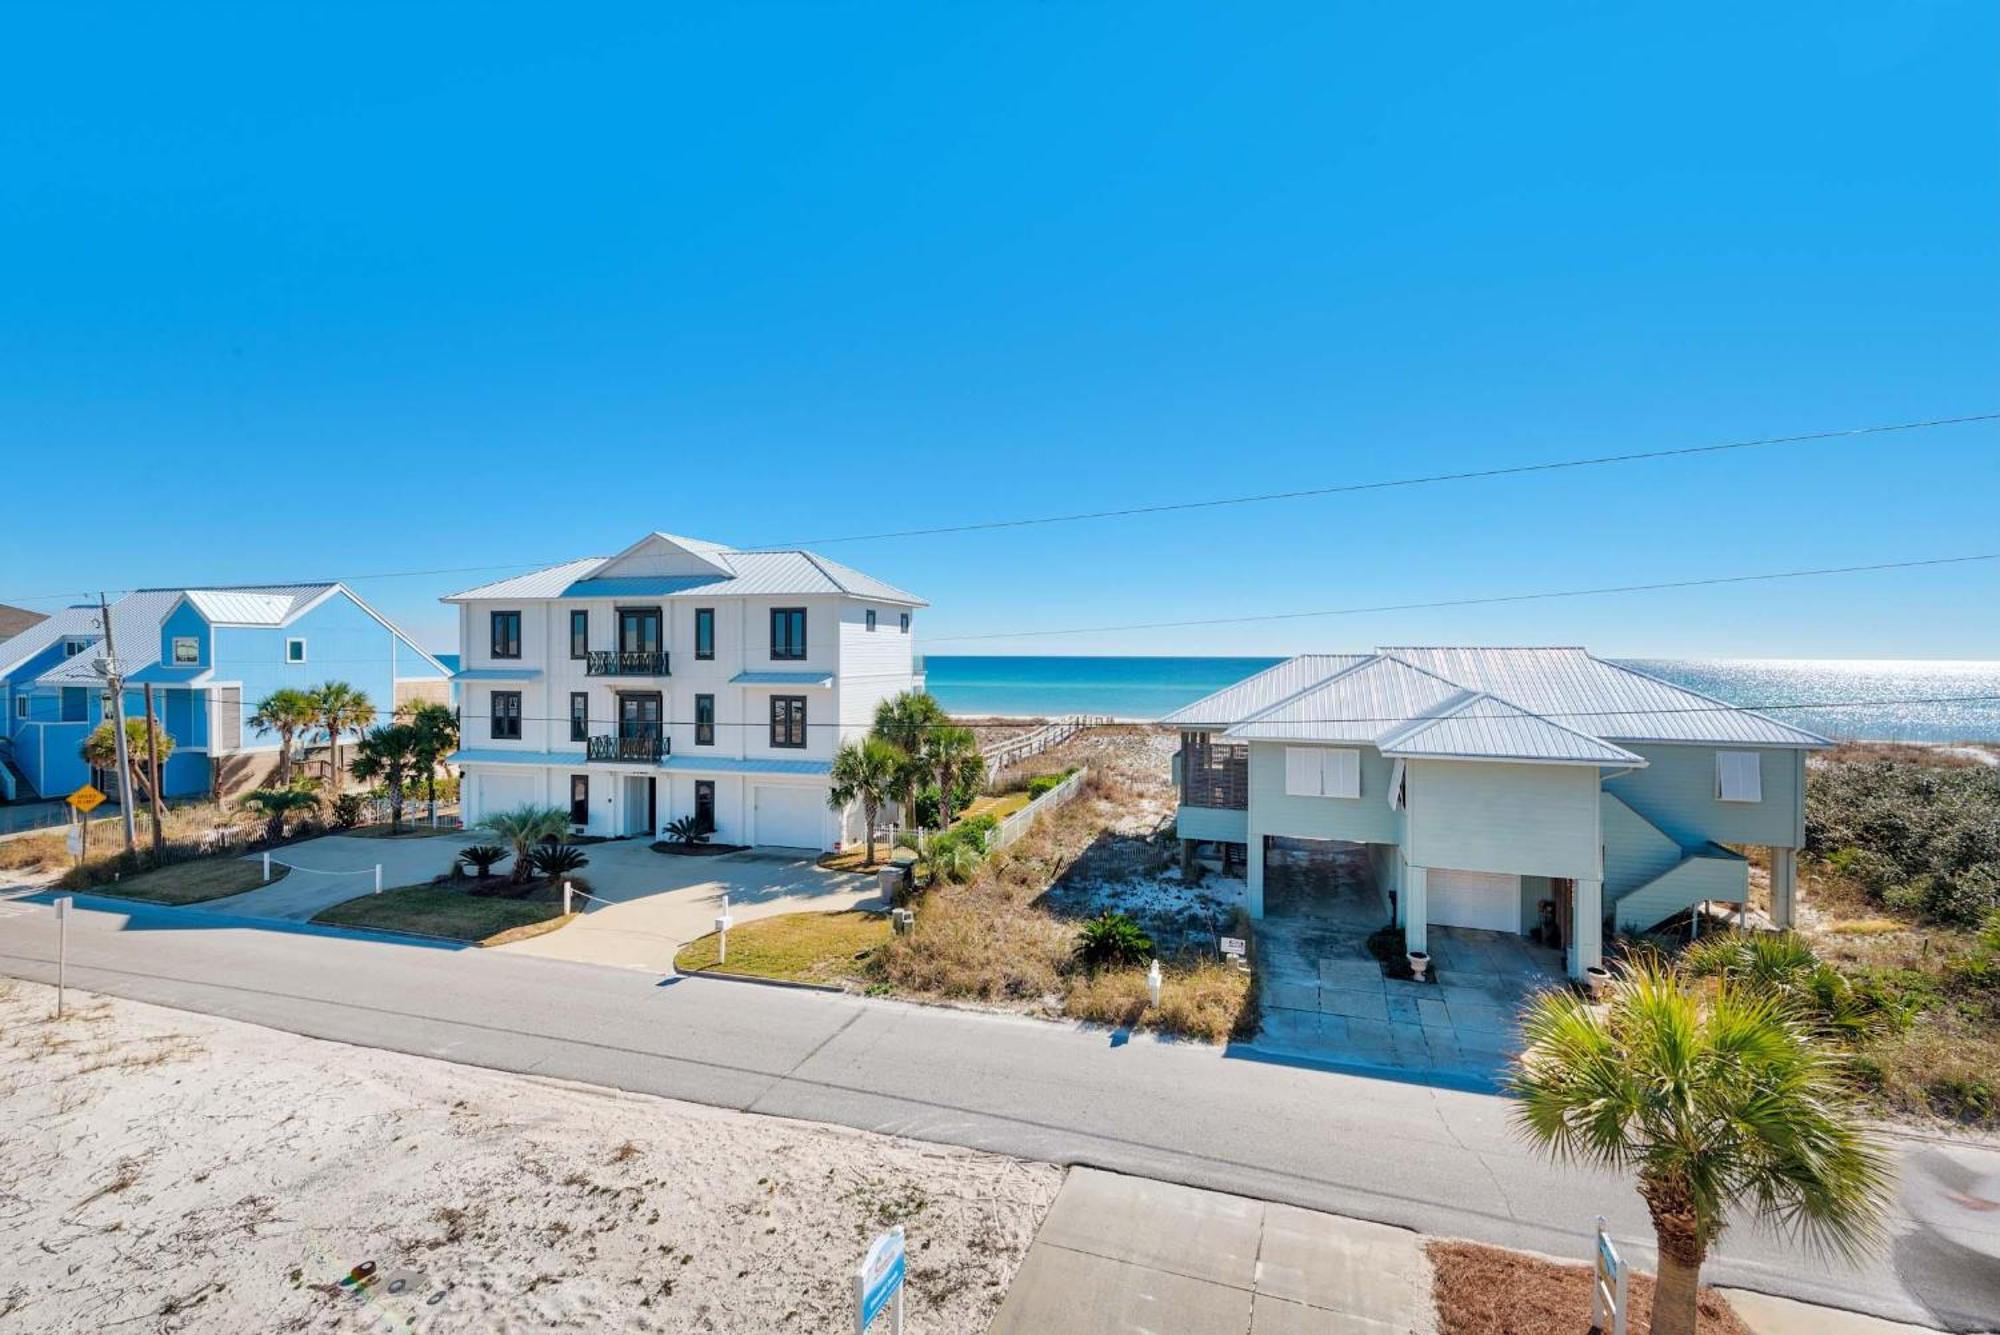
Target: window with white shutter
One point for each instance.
(1739, 776)
(1302, 771)
(1319, 771)
(1342, 774)
(1395, 794)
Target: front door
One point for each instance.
(652, 805)
(579, 799)
(704, 803)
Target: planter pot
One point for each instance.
(1597, 978)
(1420, 963)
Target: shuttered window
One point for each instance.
(1302, 771)
(227, 702)
(1343, 774)
(1739, 776)
(1319, 771)
(1396, 779)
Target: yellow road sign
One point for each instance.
(85, 799)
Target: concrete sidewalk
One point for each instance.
(1128, 1254)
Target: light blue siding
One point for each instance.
(1635, 850)
(1676, 791)
(1214, 824)
(1712, 873)
(1531, 820)
(1368, 819)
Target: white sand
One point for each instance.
(165, 1171)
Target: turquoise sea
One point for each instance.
(1872, 698)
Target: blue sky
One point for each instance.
(291, 295)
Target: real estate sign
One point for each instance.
(878, 1283)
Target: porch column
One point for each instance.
(1415, 908)
(1587, 931)
(1253, 873)
(1784, 885)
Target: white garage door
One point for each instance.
(503, 792)
(1487, 899)
(788, 816)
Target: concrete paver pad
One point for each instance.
(1058, 1290)
(1200, 1234)
(1343, 1265)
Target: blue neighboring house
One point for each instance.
(210, 656)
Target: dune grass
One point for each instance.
(830, 948)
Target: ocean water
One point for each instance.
(1820, 695)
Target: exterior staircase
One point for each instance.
(1649, 877)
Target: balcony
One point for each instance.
(638, 748)
(625, 663)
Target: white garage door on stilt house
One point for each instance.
(788, 815)
(1484, 899)
(504, 792)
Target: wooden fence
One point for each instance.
(1010, 751)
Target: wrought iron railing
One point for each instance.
(644, 747)
(625, 663)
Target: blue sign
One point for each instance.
(879, 1280)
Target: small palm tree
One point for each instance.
(338, 708)
(903, 720)
(436, 728)
(868, 770)
(100, 750)
(1716, 1098)
(288, 713)
(688, 830)
(388, 754)
(277, 804)
(482, 858)
(951, 755)
(525, 827)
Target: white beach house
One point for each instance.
(1504, 789)
(678, 678)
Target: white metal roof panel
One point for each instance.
(1483, 728)
(242, 607)
(135, 624)
(1363, 704)
(1256, 693)
(757, 574)
(81, 620)
(548, 582)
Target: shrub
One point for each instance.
(954, 857)
(1112, 938)
(1925, 838)
(1042, 783)
(555, 860)
(1783, 965)
(688, 830)
(482, 858)
(1209, 1001)
(346, 811)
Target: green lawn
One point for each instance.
(999, 808)
(441, 910)
(796, 947)
(189, 882)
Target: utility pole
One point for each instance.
(117, 683)
(153, 779)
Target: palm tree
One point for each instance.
(868, 769)
(524, 827)
(951, 756)
(287, 712)
(388, 754)
(276, 804)
(1716, 1098)
(436, 727)
(100, 750)
(338, 707)
(904, 720)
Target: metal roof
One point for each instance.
(782, 679)
(1252, 695)
(1367, 702)
(268, 605)
(753, 574)
(135, 624)
(1483, 728)
(497, 674)
(691, 764)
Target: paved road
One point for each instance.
(1436, 1160)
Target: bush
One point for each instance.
(1924, 838)
(1043, 783)
(688, 830)
(1112, 938)
(1209, 1001)
(556, 860)
(482, 858)
(1784, 965)
(346, 811)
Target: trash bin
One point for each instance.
(893, 881)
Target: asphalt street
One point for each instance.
(1437, 1160)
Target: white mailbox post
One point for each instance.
(722, 921)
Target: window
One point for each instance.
(704, 804)
(225, 710)
(579, 633)
(75, 704)
(20, 706)
(869, 616)
(788, 632)
(704, 632)
(1318, 771)
(704, 720)
(295, 650)
(1398, 775)
(906, 623)
(1739, 776)
(639, 630)
(579, 716)
(579, 799)
(71, 648)
(506, 635)
(507, 715)
(788, 720)
(187, 649)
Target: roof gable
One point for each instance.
(1258, 692)
(1481, 727)
(659, 554)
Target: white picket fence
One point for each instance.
(1013, 750)
(1016, 825)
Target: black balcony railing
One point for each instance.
(643, 747)
(625, 663)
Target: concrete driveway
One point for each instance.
(658, 902)
(337, 867)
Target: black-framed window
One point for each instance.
(639, 630)
(579, 633)
(579, 799)
(579, 716)
(906, 623)
(869, 618)
(704, 632)
(506, 634)
(704, 720)
(788, 720)
(704, 803)
(788, 632)
(507, 715)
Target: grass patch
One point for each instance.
(1209, 1001)
(796, 947)
(441, 910)
(998, 806)
(857, 858)
(410, 830)
(186, 882)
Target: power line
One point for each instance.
(1543, 595)
(1335, 489)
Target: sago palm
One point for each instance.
(867, 770)
(1717, 1098)
(337, 708)
(288, 713)
(523, 828)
